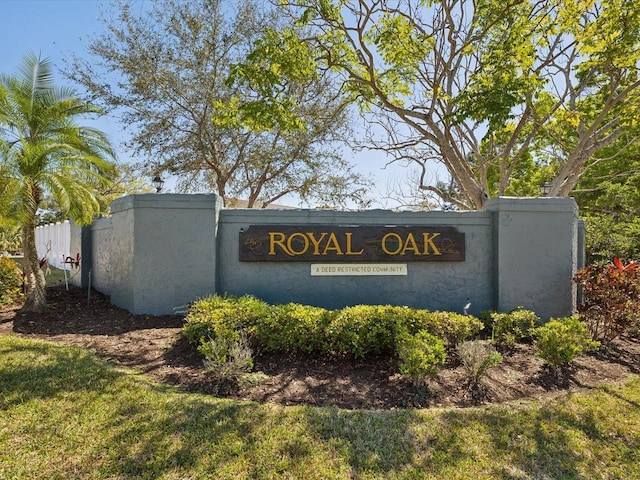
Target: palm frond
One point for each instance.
(44, 149)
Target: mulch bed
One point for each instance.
(153, 346)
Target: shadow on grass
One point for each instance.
(32, 369)
(560, 440)
(143, 432)
(369, 440)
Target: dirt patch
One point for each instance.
(152, 345)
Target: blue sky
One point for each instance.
(57, 28)
(54, 29)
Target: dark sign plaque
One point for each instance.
(364, 243)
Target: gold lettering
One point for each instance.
(413, 247)
(316, 243)
(349, 251)
(305, 243)
(428, 241)
(397, 239)
(332, 244)
(273, 241)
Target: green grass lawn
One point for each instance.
(55, 276)
(64, 413)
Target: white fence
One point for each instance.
(53, 241)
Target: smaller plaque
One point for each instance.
(357, 269)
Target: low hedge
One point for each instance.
(364, 329)
(222, 317)
(357, 331)
(514, 327)
(292, 328)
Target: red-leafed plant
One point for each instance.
(629, 267)
(611, 298)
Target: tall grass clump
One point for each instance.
(478, 357)
(226, 358)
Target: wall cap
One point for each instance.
(372, 217)
(165, 200)
(533, 204)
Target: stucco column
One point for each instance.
(535, 254)
(163, 251)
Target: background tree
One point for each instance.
(494, 91)
(173, 61)
(44, 152)
(124, 180)
(609, 199)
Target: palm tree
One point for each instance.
(44, 152)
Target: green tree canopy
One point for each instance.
(499, 93)
(173, 61)
(609, 199)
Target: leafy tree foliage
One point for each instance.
(126, 181)
(10, 281)
(10, 231)
(123, 181)
(44, 152)
(504, 95)
(10, 236)
(174, 60)
(609, 199)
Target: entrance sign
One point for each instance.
(515, 252)
(357, 269)
(363, 243)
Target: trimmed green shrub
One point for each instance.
(357, 331)
(409, 319)
(420, 355)
(222, 317)
(513, 327)
(452, 327)
(560, 340)
(487, 321)
(10, 281)
(365, 329)
(293, 327)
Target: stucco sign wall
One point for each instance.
(164, 251)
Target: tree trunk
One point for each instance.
(35, 295)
